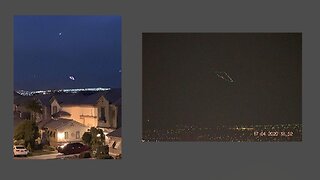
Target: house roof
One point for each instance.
(44, 99)
(116, 133)
(23, 100)
(61, 123)
(61, 114)
(43, 122)
(87, 98)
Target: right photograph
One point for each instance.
(222, 87)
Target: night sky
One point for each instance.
(53, 52)
(181, 85)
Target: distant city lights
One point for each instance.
(31, 93)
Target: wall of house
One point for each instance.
(21, 108)
(86, 115)
(46, 112)
(90, 121)
(110, 112)
(113, 112)
(102, 102)
(71, 130)
(55, 103)
(72, 133)
(90, 115)
(115, 146)
(52, 137)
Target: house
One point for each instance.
(114, 141)
(66, 116)
(118, 103)
(20, 109)
(44, 101)
(20, 106)
(60, 131)
(92, 110)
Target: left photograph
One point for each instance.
(67, 87)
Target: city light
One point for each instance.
(31, 93)
(242, 133)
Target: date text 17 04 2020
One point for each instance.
(273, 133)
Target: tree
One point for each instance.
(95, 138)
(98, 137)
(102, 152)
(35, 107)
(86, 138)
(27, 131)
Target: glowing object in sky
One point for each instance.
(72, 78)
(60, 33)
(224, 76)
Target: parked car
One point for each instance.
(20, 150)
(73, 148)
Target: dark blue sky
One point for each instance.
(49, 49)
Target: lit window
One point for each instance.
(66, 135)
(78, 135)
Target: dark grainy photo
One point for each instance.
(67, 87)
(229, 87)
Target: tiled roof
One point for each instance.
(116, 133)
(61, 123)
(61, 114)
(21, 100)
(44, 99)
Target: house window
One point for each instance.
(117, 145)
(78, 135)
(114, 144)
(66, 135)
(54, 109)
(111, 143)
(102, 114)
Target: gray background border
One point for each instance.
(199, 160)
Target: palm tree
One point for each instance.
(35, 108)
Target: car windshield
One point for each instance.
(20, 147)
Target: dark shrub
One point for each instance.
(85, 154)
(101, 152)
(38, 147)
